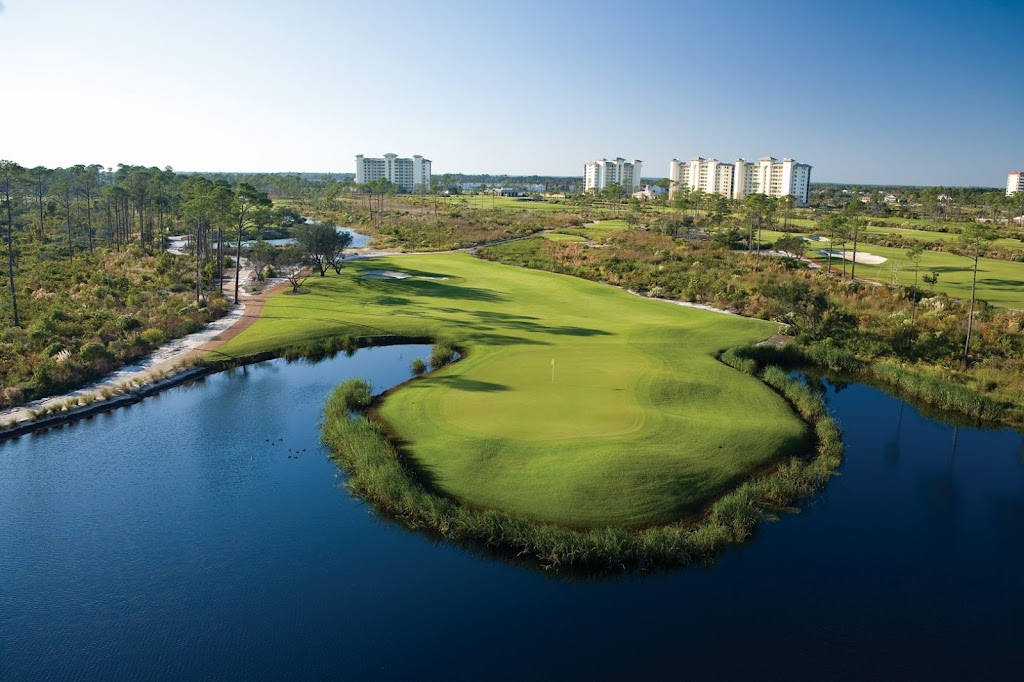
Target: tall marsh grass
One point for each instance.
(938, 387)
(938, 391)
(443, 353)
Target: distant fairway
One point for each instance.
(485, 201)
(560, 237)
(596, 231)
(634, 423)
(1000, 282)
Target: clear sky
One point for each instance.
(928, 92)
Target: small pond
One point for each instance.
(178, 244)
(203, 533)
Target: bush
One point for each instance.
(418, 367)
(91, 352)
(127, 323)
(153, 336)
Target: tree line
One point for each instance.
(88, 283)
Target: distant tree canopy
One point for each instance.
(323, 246)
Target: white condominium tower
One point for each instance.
(742, 178)
(599, 174)
(1014, 183)
(411, 175)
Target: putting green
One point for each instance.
(547, 396)
(636, 423)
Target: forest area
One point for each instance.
(88, 283)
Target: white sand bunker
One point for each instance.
(395, 274)
(862, 257)
(386, 274)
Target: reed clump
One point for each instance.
(939, 387)
(939, 391)
(443, 353)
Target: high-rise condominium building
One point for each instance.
(1014, 183)
(599, 174)
(411, 175)
(741, 178)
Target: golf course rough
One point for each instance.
(577, 403)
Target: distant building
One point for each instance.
(411, 175)
(649, 192)
(1014, 183)
(599, 174)
(742, 178)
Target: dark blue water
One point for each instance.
(172, 540)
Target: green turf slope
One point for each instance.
(640, 424)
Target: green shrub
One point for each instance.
(418, 367)
(153, 336)
(127, 323)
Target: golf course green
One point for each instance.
(576, 403)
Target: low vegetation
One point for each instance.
(81, 320)
(88, 284)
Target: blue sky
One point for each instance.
(872, 92)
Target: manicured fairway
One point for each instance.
(1000, 282)
(578, 403)
(484, 201)
(560, 237)
(608, 225)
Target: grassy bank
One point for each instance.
(945, 390)
(578, 404)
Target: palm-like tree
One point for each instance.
(10, 175)
(246, 201)
(976, 238)
(914, 256)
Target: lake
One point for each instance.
(181, 538)
(179, 244)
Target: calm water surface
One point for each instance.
(177, 539)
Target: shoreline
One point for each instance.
(174, 363)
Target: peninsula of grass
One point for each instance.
(577, 404)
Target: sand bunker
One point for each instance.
(386, 274)
(395, 274)
(863, 257)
